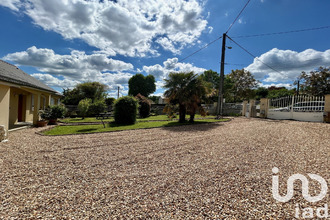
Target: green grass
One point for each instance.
(81, 129)
(151, 118)
(85, 120)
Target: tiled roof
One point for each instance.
(12, 74)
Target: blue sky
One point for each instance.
(65, 42)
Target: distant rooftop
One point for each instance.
(12, 74)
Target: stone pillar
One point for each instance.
(327, 108)
(263, 107)
(244, 107)
(252, 110)
(4, 111)
(48, 99)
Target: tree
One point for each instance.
(261, 92)
(155, 99)
(97, 107)
(92, 90)
(186, 90)
(144, 106)
(276, 92)
(197, 90)
(71, 97)
(243, 84)
(315, 83)
(109, 102)
(141, 84)
(211, 77)
(83, 107)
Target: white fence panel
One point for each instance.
(308, 116)
(279, 115)
(302, 108)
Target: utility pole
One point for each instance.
(298, 87)
(222, 76)
(118, 93)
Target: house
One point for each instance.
(22, 96)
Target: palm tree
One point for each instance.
(187, 90)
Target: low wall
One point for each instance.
(228, 108)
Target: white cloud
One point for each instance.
(286, 85)
(68, 70)
(168, 45)
(241, 21)
(171, 65)
(12, 4)
(156, 70)
(112, 80)
(55, 82)
(76, 65)
(120, 27)
(289, 64)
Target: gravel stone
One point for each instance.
(209, 171)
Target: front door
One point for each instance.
(20, 108)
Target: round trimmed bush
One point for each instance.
(97, 107)
(125, 110)
(144, 106)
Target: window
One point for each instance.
(32, 102)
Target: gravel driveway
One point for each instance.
(220, 170)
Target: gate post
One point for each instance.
(244, 107)
(252, 110)
(327, 108)
(263, 107)
(292, 104)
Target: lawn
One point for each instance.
(151, 118)
(80, 129)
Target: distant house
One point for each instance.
(21, 96)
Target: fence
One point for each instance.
(302, 108)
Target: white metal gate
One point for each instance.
(301, 108)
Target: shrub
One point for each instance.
(125, 110)
(109, 101)
(57, 111)
(144, 106)
(52, 113)
(97, 107)
(83, 107)
(44, 114)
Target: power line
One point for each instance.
(236, 64)
(282, 32)
(253, 55)
(200, 49)
(238, 16)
